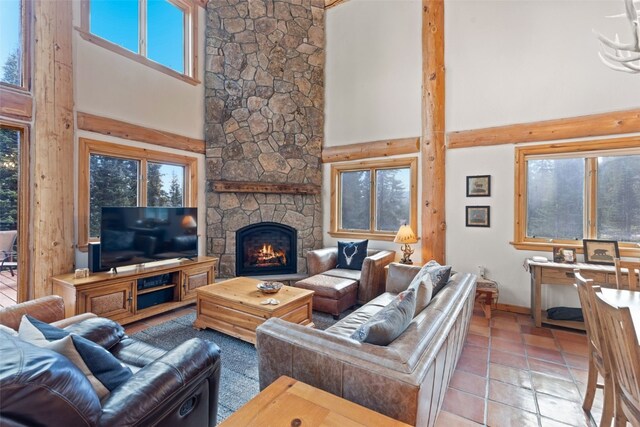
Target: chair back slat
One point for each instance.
(587, 292)
(633, 275)
(624, 349)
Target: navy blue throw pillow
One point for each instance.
(351, 255)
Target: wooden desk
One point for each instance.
(553, 273)
(233, 307)
(625, 298)
(288, 402)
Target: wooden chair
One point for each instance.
(7, 250)
(598, 356)
(624, 353)
(633, 268)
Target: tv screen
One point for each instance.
(138, 235)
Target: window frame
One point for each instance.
(26, 13)
(190, 25)
(24, 196)
(87, 147)
(521, 240)
(372, 166)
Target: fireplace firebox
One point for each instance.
(266, 248)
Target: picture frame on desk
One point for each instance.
(564, 255)
(600, 251)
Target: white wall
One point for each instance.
(512, 62)
(111, 85)
(507, 61)
(372, 80)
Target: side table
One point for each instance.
(487, 295)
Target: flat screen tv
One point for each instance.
(133, 235)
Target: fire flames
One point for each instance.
(269, 256)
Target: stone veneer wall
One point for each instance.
(264, 95)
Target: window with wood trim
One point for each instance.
(372, 199)
(569, 192)
(14, 38)
(158, 33)
(119, 175)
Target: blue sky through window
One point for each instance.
(116, 21)
(10, 32)
(165, 34)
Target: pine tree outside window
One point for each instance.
(13, 43)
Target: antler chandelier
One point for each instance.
(623, 56)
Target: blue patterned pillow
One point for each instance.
(438, 275)
(351, 255)
(390, 322)
(101, 368)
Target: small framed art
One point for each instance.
(478, 216)
(564, 255)
(600, 251)
(479, 186)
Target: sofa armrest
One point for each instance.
(321, 260)
(372, 277)
(46, 309)
(102, 331)
(182, 384)
(73, 320)
(400, 276)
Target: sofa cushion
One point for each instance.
(390, 322)
(344, 273)
(102, 369)
(9, 331)
(347, 326)
(439, 275)
(351, 255)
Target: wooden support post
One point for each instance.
(433, 132)
(52, 250)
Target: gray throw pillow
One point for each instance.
(422, 283)
(390, 322)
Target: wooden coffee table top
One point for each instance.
(288, 402)
(243, 290)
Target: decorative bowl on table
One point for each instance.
(269, 287)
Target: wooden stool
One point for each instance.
(487, 295)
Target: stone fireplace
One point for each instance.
(264, 90)
(266, 248)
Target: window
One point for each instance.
(373, 199)
(573, 191)
(13, 42)
(158, 33)
(117, 175)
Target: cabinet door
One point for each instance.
(114, 301)
(193, 278)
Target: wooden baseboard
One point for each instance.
(513, 308)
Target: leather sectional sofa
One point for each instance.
(406, 380)
(41, 387)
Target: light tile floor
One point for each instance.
(510, 373)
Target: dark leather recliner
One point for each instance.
(40, 387)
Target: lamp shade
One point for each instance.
(405, 235)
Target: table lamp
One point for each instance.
(405, 237)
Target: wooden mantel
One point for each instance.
(262, 187)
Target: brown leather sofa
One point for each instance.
(41, 387)
(370, 279)
(405, 380)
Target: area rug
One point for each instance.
(239, 375)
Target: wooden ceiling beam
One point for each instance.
(367, 150)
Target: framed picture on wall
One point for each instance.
(478, 216)
(600, 251)
(479, 186)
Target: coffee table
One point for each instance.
(288, 402)
(233, 307)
